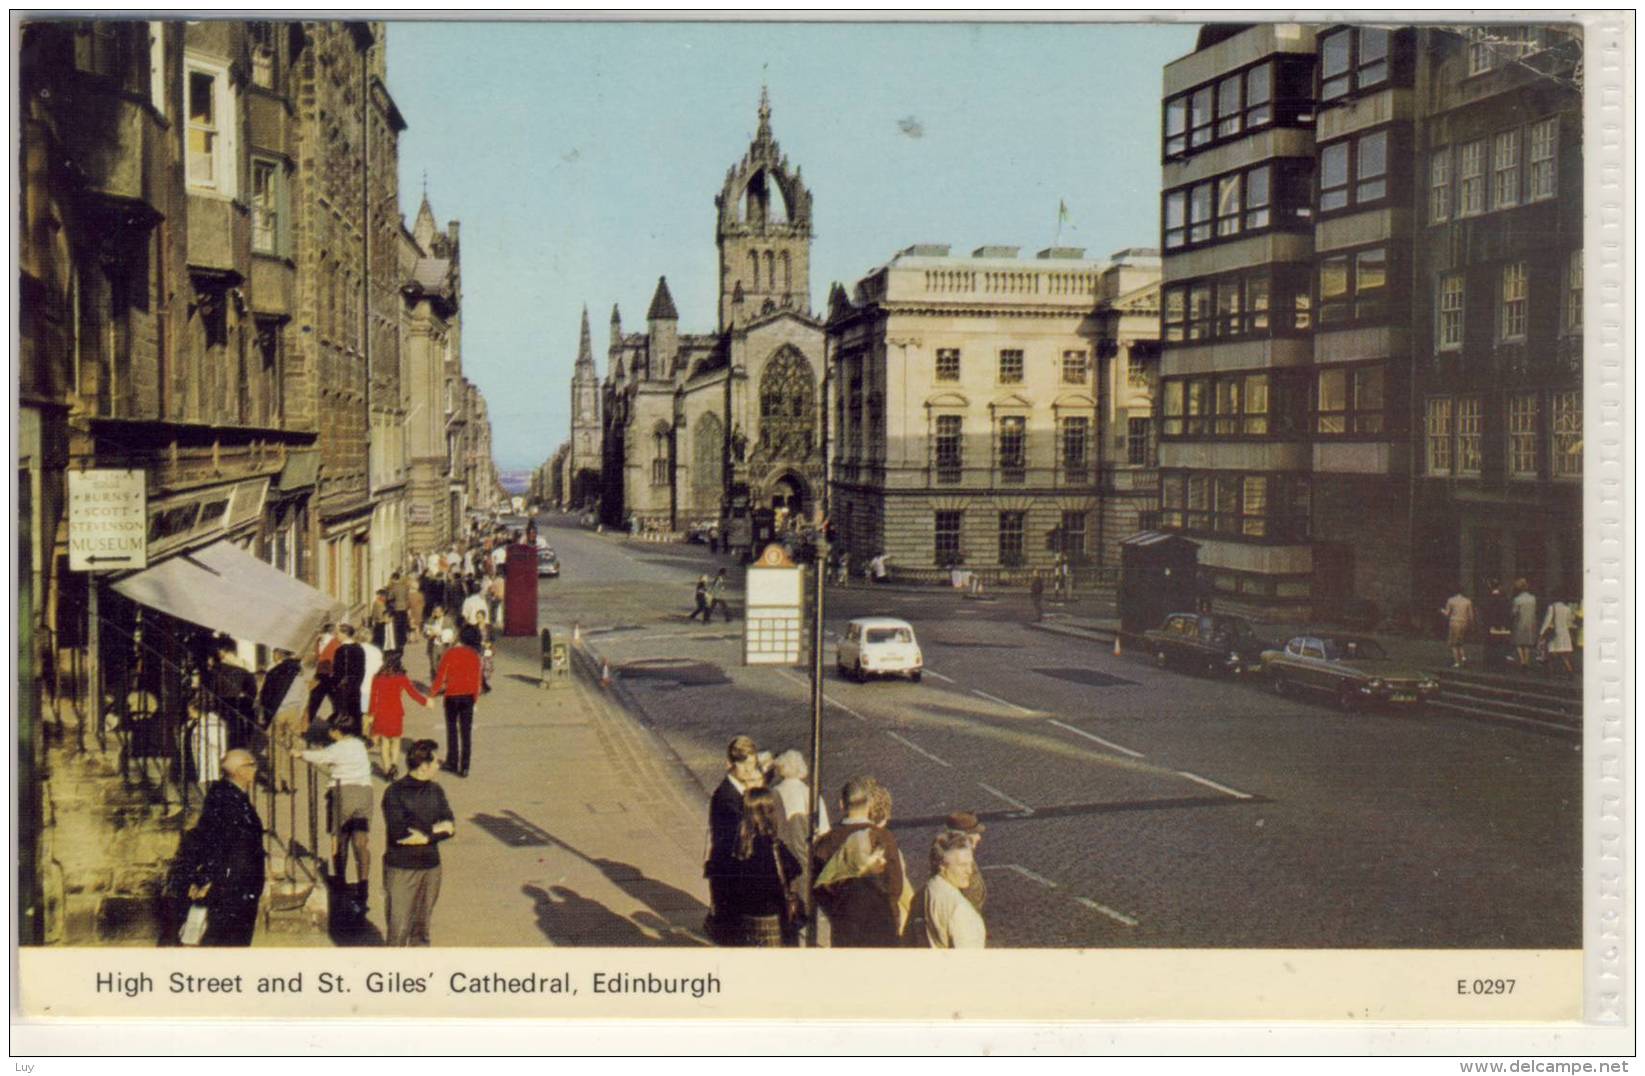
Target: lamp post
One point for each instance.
(818, 568)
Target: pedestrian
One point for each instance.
(702, 601)
(436, 628)
(950, 920)
(1524, 621)
(399, 596)
(877, 570)
(325, 675)
(387, 710)
(276, 683)
(380, 620)
(725, 813)
(233, 694)
(342, 753)
(416, 606)
(285, 715)
(1497, 615)
(858, 872)
(417, 818)
(795, 794)
(1459, 621)
(1556, 630)
(219, 864)
(1036, 594)
(761, 883)
(495, 594)
(460, 678)
(879, 813)
(374, 663)
(474, 604)
(348, 670)
(716, 595)
(965, 823)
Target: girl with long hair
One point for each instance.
(761, 878)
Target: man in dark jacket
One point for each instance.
(725, 814)
(276, 682)
(220, 861)
(348, 674)
(1498, 616)
(417, 817)
(860, 892)
(234, 693)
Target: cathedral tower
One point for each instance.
(585, 406)
(764, 232)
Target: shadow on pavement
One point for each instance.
(512, 830)
(348, 928)
(566, 917)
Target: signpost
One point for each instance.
(108, 520)
(771, 624)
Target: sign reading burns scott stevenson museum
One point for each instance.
(108, 520)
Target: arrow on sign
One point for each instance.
(94, 560)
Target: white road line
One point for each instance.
(1018, 804)
(1098, 739)
(1002, 702)
(826, 698)
(1024, 871)
(1119, 917)
(1234, 792)
(918, 749)
(939, 676)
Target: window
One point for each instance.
(1174, 318)
(1567, 434)
(1013, 447)
(1356, 167)
(1254, 506)
(1199, 209)
(1439, 435)
(1505, 170)
(1011, 526)
(266, 194)
(1228, 205)
(1176, 126)
(1199, 116)
(1471, 179)
(1481, 58)
(202, 129)
(1176, 210)
(950, 448)
(1171, 500)
(1230, 116)
(1544, 146)
(1199, 502)
(1439, 185)
(1353, 286)
(1199, 311)
(1449, 327)
(1470, 426)
(1076, 367)
(1299, 507)
(1522, 435)
(1256, 303)
(660, 458)
(1076, 439)
(1137, 438)
(261, 35)
(1072, 534)
(1229, 405)
(947, 538)
(1368, 399)
(1257, 197)
(1351, 59)
(1173, 408)
(1136, 367)
(1230, 302)
(1259, 91)
(1350, 400)
(1224, 109)
(948, 364)
(1512, 312)
(1573, 293)
(1199, 408)
(1255, 418)
(1010, 367)
(1333, 401)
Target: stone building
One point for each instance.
(722, 424)
(975, 417)
(580, 483)
(1308, 287)
(431, 268)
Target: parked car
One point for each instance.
(1353, 670)
(547, 563)
(879, 646)
(1215, 643)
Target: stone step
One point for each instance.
(1517, 705)
(1562, 725)
(1567, 694)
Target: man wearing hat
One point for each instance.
(966, 824)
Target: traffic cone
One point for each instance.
(576, 633)
(1116, 644)
(605, 672)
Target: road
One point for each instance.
(1125, 805)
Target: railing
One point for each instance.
(1091, 577)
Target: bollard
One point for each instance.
(547, 668)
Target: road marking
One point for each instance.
(1120, 917)
(917, 748)
(1018, 804)
(826, 697)
(1098, 739)
(1024, 871)
(1002, 702)
(1236, 793)
(939, 676)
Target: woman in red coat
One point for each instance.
(388, 709)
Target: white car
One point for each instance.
(880, 646)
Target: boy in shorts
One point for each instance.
(348, 803)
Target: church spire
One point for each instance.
(763, 134)
(425, 229)
(585, 347)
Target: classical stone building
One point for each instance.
(982, 404)
(431, 268)
(721, 424)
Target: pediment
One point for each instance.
(947, 399)
(1074, 399)
(1015, 400)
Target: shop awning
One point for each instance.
(226, 589)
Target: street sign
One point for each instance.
(108, 520)
(774, 603)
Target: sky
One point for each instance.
(583, 158)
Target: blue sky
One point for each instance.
(583, 160)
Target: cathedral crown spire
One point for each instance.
(585, 347)
(763, 134)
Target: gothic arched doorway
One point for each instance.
(788, 499)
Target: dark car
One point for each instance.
(1210, 642)
(1353, 670)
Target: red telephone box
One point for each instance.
(520, 590)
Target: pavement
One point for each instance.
(575, 826)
